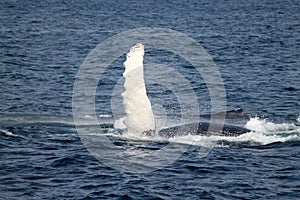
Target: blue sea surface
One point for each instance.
(255, 45)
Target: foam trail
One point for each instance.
(263, 126)
(8, 133)
(139, 116)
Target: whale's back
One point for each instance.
(203, 128)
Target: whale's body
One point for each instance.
(206, 128)
(202, 128)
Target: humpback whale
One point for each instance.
(139, 115)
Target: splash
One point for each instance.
(263, 126)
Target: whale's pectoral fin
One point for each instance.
(139, 115)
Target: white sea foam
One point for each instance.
(266, 127)
(252, 138)
(105, 115)
(8, 133)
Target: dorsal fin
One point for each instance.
(238, 110)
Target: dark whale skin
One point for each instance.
(202, 128)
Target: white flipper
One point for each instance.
(139, 116)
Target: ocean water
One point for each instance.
(254, 44)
